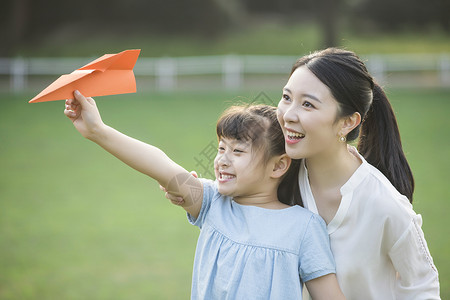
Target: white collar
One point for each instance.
(346, 192)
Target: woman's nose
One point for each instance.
(289, 115)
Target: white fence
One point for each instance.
(165, 72)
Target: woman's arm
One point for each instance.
(417, 275)
(325, 288)
(143, 157)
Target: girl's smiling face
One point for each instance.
(307, 114)
(238, 168)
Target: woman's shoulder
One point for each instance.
(383, 199)
(377, 199)
(378, 184)
(374, 183)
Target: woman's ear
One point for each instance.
(349, 123)
(280, 166)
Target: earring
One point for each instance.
(343, 138)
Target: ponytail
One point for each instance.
(381, 146)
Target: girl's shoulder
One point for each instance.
(306, 219)
(210, 190)
(304, 212)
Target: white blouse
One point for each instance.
(377, 240)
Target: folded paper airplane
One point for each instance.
(110, 74)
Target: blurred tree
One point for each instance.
(390, 15)
(234, 10)
(31, 21)
(326, 13)
(202, 17)
(14, 24)
(329, 15)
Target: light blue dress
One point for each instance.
(248, 252)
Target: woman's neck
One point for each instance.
(332, 170)
(327, 173)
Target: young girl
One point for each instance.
(364, 197)
(251, 245)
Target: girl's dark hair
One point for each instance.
(258, 124)
(355, 90)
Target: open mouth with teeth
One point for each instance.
(293, 137)
(226, 176)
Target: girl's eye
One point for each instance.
(221, 149)
(238, 151)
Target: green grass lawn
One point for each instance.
(75, 223)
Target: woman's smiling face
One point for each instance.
(307, 114)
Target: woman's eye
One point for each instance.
(286, 97)
(308, 104)
(238, 151)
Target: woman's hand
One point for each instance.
(83, 112)
(174, 199)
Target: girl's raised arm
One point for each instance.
(142, 157)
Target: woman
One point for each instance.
(363, 195)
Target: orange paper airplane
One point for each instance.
(110, 74)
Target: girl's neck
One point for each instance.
(269, 201)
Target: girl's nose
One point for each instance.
(223, 160)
